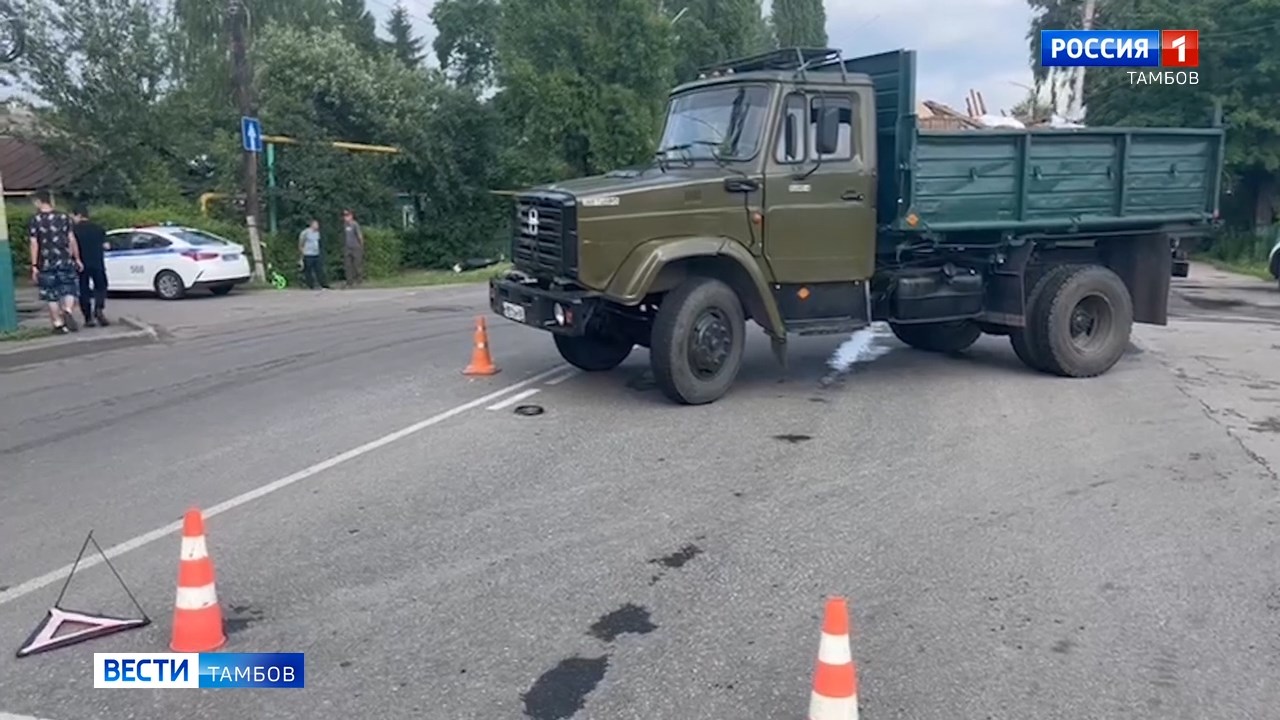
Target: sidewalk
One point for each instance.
(33, 317)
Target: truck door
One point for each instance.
(819, 223)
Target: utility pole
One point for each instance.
(242, 79)
(1077, 99)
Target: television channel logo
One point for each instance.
(199, 670)
(1120, 48)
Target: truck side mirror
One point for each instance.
(828, 139)
(789, 136)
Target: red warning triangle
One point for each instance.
(61, 628)
(51, 634)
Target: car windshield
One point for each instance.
(726, 121)
(198, 237)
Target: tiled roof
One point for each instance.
(25, 167)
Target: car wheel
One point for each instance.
(169, 285)
(1083, 323)
(593, 354)
(221, 289)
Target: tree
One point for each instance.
(800, 23)
(103, 68)
(357, 25)
(404, 45)
(583, 84)
(710, 31)
(466, 39)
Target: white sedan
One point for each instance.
(170, 260)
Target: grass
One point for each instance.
(24, 333)
(423, 278)
(1252, 268)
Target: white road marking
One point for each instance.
(514, 399)
(10, 716)
(567, 376)
(114, 551)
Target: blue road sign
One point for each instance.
(251, 133)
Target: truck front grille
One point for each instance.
(545, 236)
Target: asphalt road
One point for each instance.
(1013, 545)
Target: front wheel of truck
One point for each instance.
(591, 353)
(698, 338)
(944, 337)
(1083, 322)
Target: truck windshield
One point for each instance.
(726, 121)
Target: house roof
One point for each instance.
(24, 167)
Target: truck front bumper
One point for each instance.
(564, 312)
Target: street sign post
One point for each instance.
(251, 133)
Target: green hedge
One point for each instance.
(384, 248)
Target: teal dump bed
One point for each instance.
(1028, 180)
(1083, 178)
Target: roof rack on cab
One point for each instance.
(795, 58)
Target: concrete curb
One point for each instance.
(31, 352)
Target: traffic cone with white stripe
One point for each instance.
(197, 617)
(835, 681)
(481, 361)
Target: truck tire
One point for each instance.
(1083, 322)
(947, 337)
(1023, 339)
(698, 339)
(592, 353)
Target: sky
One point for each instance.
(960, 44)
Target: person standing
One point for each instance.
(92, 240)
(353, 249)
(312, 263)
(55, 261)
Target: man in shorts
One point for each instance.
(55, 262)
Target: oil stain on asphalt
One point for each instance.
(559, 693)
(678, 558)
(629, 619)
(793, 439)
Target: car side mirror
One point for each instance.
(828, 139)
(789, 136)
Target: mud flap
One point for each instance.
(1146, 266)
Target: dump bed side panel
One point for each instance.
(1047, 179)
(893, 74)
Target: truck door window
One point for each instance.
(846, 148)
(793, 108)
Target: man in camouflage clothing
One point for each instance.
(55, 262)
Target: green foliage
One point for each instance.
(466, 39)
(800, 23)
(357, 25)
(712, 31)
(404, 45)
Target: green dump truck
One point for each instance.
(794, 189)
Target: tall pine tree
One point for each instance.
(404, 45)
(357, 25)
(800, 23)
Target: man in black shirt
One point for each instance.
(55, 260)
(93, 240)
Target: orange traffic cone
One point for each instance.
(835, 681)
(481, 362)
(197, 618)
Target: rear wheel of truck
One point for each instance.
(592, 353)
(698, 338)
(1023, 339)
(1083, 322)
(947, 337)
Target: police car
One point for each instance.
(170, 260)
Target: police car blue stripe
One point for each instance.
(142, 251)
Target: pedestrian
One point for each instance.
(353, 249)
(309, 248)
(92, 241)
(55, 261)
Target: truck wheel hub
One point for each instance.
(1090, 323)
(709, 342)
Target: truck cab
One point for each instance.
(793, 190)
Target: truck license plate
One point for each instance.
(513, 312)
